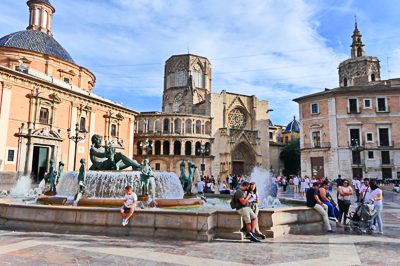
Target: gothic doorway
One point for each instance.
(39, 162)
(317, 167)
(243, 159)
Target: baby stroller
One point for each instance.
(359, 220)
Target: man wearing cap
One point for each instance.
(240, 199)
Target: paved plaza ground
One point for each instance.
(33, 248)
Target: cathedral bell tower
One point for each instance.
(40, 15)
(360, 69)
(187, 84)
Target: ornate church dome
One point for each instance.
(293, 126)
(38, 36)
(37, 41)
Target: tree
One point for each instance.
(290, 155)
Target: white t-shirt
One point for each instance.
(200, 187)
(296, 181)
(374, 193)
(365, 191)
(356, 184)
(307, 183)
(130, 198)
(222, 187)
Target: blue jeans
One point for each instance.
(377, 216)
(332, 211)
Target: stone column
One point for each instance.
(5, 103)
(183, 147)
(193, 148)
(131, 137)
(171, 147)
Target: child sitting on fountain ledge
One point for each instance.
(129, 206)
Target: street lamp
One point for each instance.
(203, 150)
(355, 146)
(76, 138)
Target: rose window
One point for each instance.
(237, 119)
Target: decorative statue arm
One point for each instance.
(93, 152)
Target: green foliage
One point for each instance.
(290, 156)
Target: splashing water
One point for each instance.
(265, 184)
(102, 184)
(22, 187)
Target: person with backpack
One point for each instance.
(240, 203)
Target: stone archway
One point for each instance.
(243, 159)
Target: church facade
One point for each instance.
(351, 130)
(45, 97)
(226, 132)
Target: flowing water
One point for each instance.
(265, 183)
(107, 184)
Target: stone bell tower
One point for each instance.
(40, 15)
(187, 84)
(360, 69)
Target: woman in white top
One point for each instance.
(376, 197)
(344, 200)
(303, 185)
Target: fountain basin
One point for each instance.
(189, 225)
(160, 203)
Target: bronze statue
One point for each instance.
(59, 171)
(50, 178)
(105, 158)
(146, 177)
(187, 180)
(81, 180)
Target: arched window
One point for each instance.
(38, 15)
(178, 125)
(139, 148)
(188, 148)
(208, 148)
(166, 148)
(45, 14)
(181, 78)
(372, 77)
(157, 147)
(359, 51)
(113, 130)
(197, 76)
(177, 147)
(188, 126)
(166, 126)
(157, 126)
(208, 127)
(197, 148)
(82, 124)
(198, 127)
(345, 82)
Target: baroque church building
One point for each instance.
(352, 129)
(226, 132)
(43, 95)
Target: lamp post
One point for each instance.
(76, 138)
(203, 151)
(355, 146)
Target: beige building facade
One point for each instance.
(43, 93)
(231, 129)
(352, 130)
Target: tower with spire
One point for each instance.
(360, 69)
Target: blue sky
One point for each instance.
(277, 50)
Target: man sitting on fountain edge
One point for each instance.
(129, 206)
(239, 202)
(313, 201)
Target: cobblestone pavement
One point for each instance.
(33, 248)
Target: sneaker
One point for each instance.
(332, 219)
(262, 236)
(331, 232)
(253, 238)
(124, 222)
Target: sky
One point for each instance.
(276, 50)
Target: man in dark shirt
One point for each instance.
(240, 198)
(339, 183)
(314, 202)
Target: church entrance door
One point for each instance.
(238, 168)
(243, 159)
(39, 162)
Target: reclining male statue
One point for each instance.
(105, 158)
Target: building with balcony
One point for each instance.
(351, 130)
(43, 92)
(231, 129)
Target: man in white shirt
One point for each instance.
(296, 184)
(357, 186)
(308, 182)
(127, 210)
(365, 191)
(200, 186)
